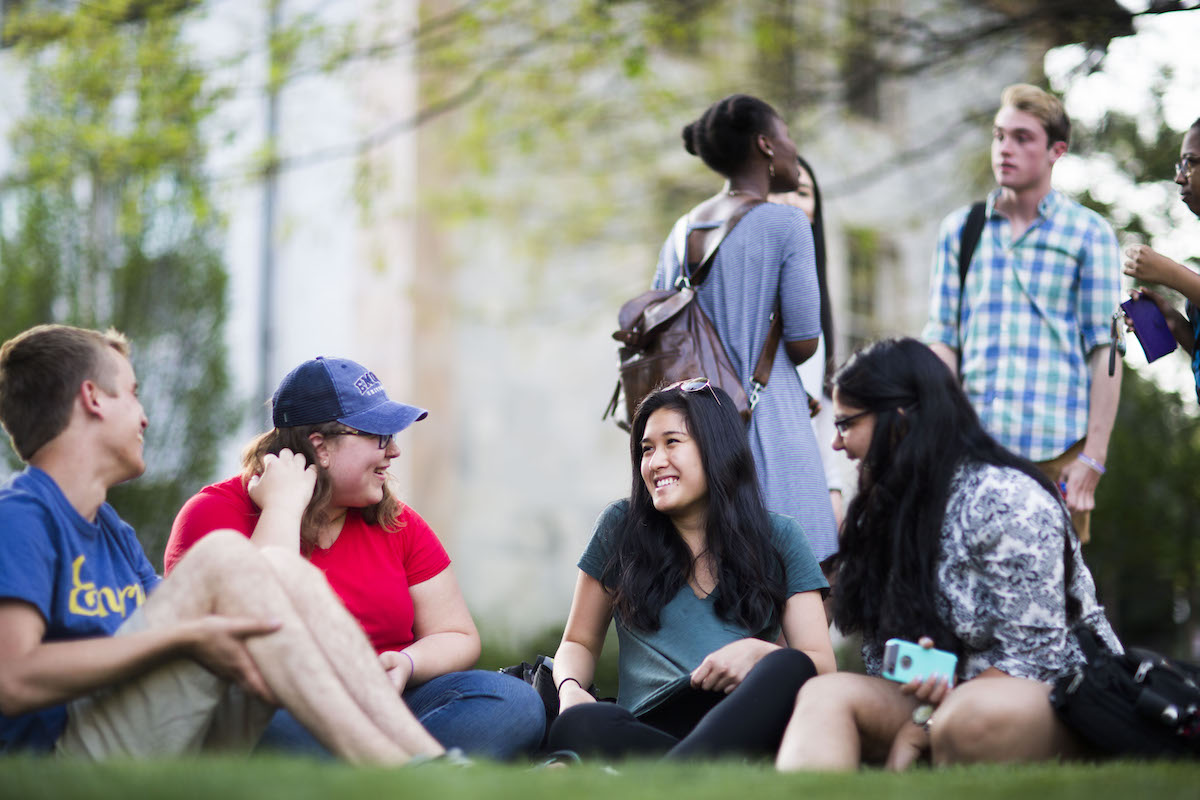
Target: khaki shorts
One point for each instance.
(175, 709)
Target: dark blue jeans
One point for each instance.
(483, 713)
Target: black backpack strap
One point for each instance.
(967, 242)
(1088, 643)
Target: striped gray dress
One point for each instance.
(769, 254)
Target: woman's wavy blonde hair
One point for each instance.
(385, 513)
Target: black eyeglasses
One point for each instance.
(384, 439)
(1185, 165)
(843, 424)
(693, 385)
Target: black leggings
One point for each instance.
(749, 721)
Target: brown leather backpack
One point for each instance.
(667, 337)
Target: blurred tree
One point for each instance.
(106, 221)
(1144, 553)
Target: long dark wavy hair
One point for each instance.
(818, 234)
(651, 562)
(891, 538)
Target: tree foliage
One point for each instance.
(1144, 553)
(106, 221)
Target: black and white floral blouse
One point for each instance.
(1001, 572)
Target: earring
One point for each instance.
(771, 168)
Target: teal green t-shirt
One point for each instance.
(654, 665)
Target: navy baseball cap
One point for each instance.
(328, 389)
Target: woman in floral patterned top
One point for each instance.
(956, 541)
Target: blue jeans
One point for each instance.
(483, 713)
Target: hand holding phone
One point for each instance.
(905, 661)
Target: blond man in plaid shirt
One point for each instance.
(1033, 327)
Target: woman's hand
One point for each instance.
(913, 740)
(931, 691)
(572, 694)
(1145, 264)
(286, 483)
(724, 670)
(399, 668)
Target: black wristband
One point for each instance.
(564, 683)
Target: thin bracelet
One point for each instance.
(564, 683)
(1091, 462)
(412, 665)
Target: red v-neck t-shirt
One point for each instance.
(370, 568)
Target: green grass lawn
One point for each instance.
(296, 779)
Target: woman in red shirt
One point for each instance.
(379, 556)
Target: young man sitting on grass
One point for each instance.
(99, 657)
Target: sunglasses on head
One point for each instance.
(692, 385)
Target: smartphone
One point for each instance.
(904, 660)
(1150, 326)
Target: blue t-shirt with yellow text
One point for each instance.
(84, 578)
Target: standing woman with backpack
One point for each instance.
(765, 262)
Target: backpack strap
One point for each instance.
(1088, 642)
(766, 358)
(697, 277)
(968, 240)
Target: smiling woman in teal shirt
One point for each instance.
(717, 602)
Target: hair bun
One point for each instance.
(689, 138)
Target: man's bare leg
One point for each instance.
(347, 650)
(224, 574)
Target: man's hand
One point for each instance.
(286, 483)
(219, 644)
(1081, 483)
(723, 670)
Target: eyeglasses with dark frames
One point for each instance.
(384, 439)
(844, 423)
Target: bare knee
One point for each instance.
(999, 723)
(220, 567)
(292, 569)
(219, 555)
(823, 694)
(958, 733)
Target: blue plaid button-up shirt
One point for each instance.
(1034, 307)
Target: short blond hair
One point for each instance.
(40, 372)
(1043, 105)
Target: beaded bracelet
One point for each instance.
(1091, 462)
(564, 683)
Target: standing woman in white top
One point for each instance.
(816, 371)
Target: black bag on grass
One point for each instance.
(540, 676)
(1139, 704)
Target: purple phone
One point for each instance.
(1150, 326)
